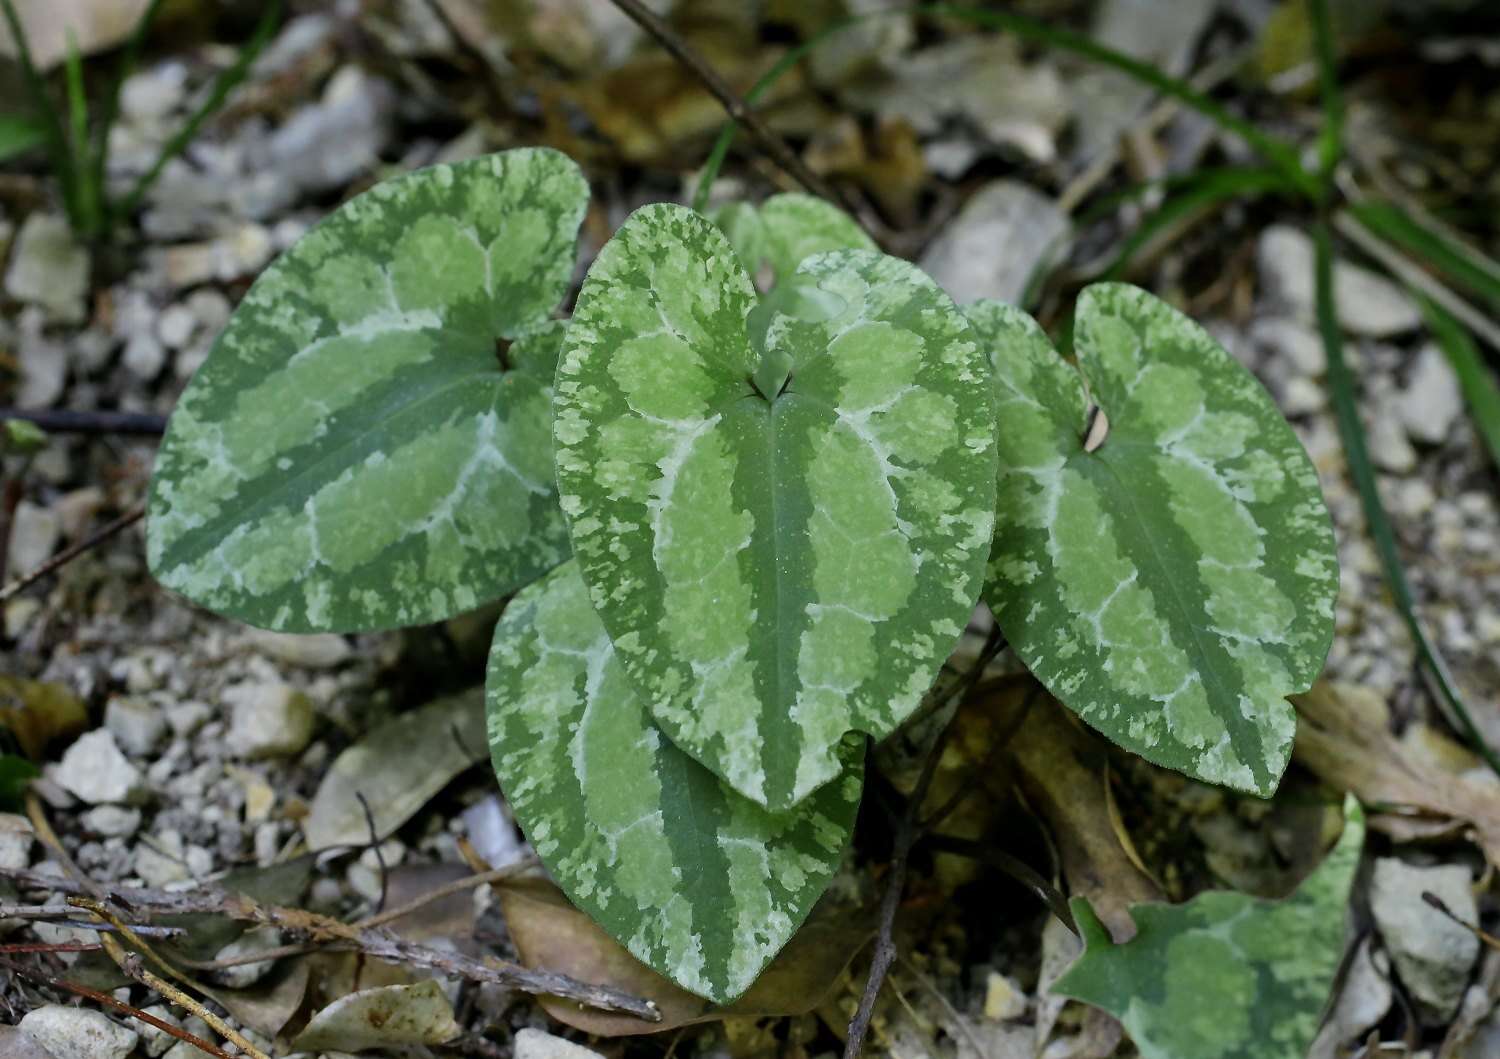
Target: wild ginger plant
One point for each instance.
(746, 523)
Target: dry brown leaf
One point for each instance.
(36, 713)
(550, 934)
(1061, 767)
(383, 1017)
(1345, 739)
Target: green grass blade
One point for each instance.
(1341, 383)
(58, 148)
(225, 83)
(89, 192)
(19, 134)
(1200, 191)
(1458, 263)
(1331, 139)
(1481, 392)
(1281, 155)
(110, 111)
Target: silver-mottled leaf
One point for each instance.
(352, 455)
(1168, 571)
(697, 882)
(1226, 975)
(786, 230)
(782, 515)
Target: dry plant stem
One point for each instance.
(733, 105)
(375, 942)
(68, 554)
(130, 965)
(906, 836)
(108, 1001)
(48, 838)
(64, 421)
(471, 882)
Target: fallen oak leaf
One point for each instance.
(550, 933)
(1344, 738)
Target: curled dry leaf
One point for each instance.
(398, 767)
(550, 933)
(36, 713)
(381, 1018)
(1345, 739)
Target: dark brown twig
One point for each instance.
(73, 551)
(64, 421)
(733, 105)
(906, 835)
(364, 805)
(115, 1005)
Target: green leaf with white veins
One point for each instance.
(1166, 569)
(1226, 975)
(787, 229)
(697, 882)
(784, 547)
(369, 443)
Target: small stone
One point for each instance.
(268, 720)
(244, 975)
(187, 717)
(144, 357)
(1003, 998)
(1389, 447)
(48, 267)
(33, 537)
(1432, 401)
(309, 650)
(137, 725)
(16, 1043)
(538, 1044)
(78, 1033)
(16, 839)
(1414, 498)
(966, 258)
(1301, 396)
(1368, 304)
(1433, 955)
(44, 363)
(94, 770)
(154, 1040)
(210, 309)
(150, 95)
(112, 821)
(76, 510)
(160, 861)
(1293, 340)
(175, 326)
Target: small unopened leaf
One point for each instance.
(382, 1018)
(1226, 975)
(368, 445)
(1174, 582)
(787, 229)
(697, 882)
(781, 507)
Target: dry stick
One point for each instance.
(64, 421)
(733, 105)
(110, 1002)
(906, 835)
(364, 805)
(378, 943)
(130, 964)
(68, 554)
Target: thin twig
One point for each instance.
(63, 912)
(364, 805)
(906, 835)
(73, 551)
(469, 882)
(733, 105)
(115, 1005)
(374, 942)
(64, 421)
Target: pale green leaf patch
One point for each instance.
(1226, 975)
(700, 884)
(1167, 571)
(368, 444)
(786, 230)
(782, 517)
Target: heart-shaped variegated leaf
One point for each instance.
(697, 882)
(786, 230)
(369, 443)
(1224, 976)
(1165, 563)
(782, 516)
